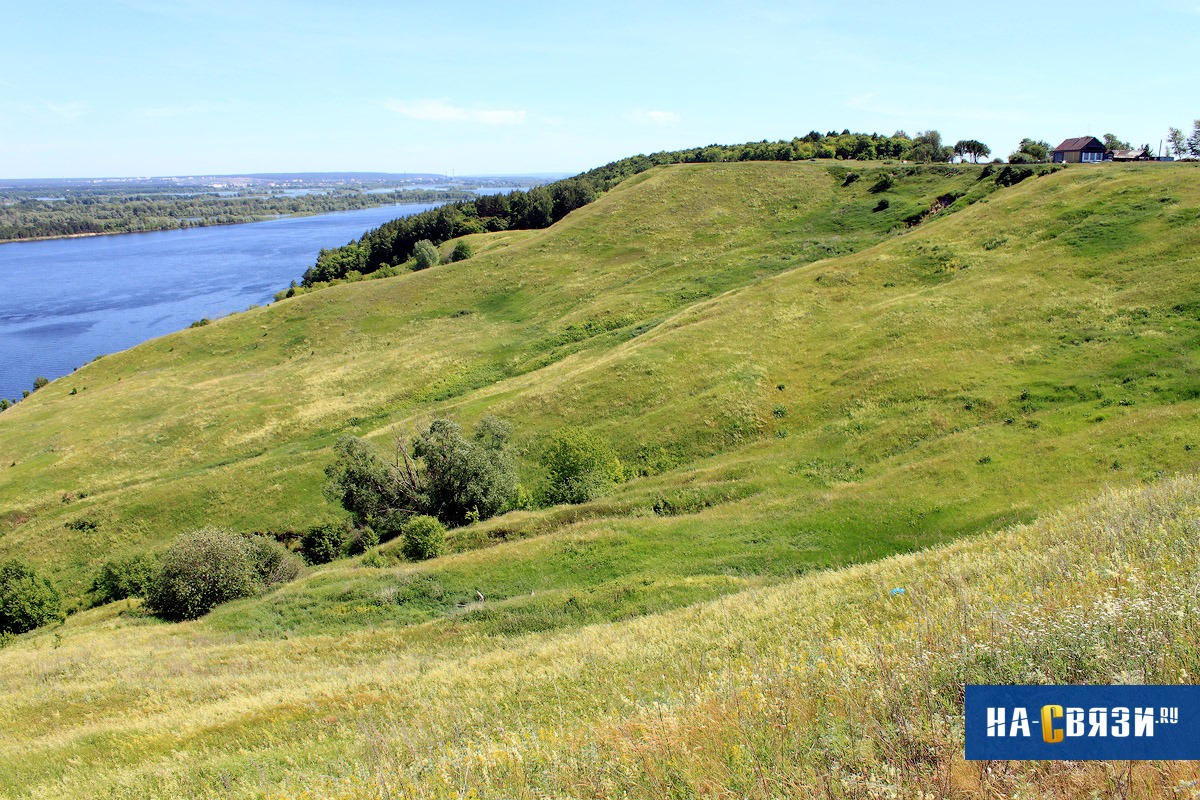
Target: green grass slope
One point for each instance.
(801, 381)
(230, 423)
(825, 685)
(804, 382)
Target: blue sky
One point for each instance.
(166, 87)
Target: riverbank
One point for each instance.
(72, 298)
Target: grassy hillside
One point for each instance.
(826, 685)
(979, 368)
(800, 380)
(231, 423)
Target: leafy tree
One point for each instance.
(1111, 142)
(39, 382)
(1193, 141)
(1177, 142)
(27, 600)
(200, 571)
(973, 148)
(466, 478)
(424, 538)
(927, 147)
(1030, 151)
(370, 487)
(580, 465)
(462, 251)
(122, 578)
(426, 253)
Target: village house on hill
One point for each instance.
(1137, 154)
(1081, 150)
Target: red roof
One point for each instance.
(1079, 143)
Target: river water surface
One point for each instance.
(65, 301)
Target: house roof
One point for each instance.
(1079, 143)
(1130, 154)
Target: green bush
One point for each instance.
(362, 540)
(273, 563)
(426, 253)
(122, 578)
(323, 543)
(201, 570)
(581, 466)
(424, 538)
(27, 600)
(886, 181)
(462, 251)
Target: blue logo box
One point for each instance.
(1083, 723)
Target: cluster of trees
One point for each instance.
(89, 211)
(441, 478)
(444, 478)
(973, 149)
(212, 566)
(1184, 146)
(1030, 151)
(196, 573)
(395, 242)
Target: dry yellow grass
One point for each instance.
(824, 686)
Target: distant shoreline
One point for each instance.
(212, 224)
(160, 230)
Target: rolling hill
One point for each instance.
(802, 379)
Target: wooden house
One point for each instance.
(1082, 150)
(1140, 154)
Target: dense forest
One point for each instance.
(394, 242)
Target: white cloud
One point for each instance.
(441, 111)
(655, 117)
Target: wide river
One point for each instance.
(65, 301)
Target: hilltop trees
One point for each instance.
(1177, 142)
(1111, 142)
(973, 148)
(394, 242)
(1030, 151)
(927, 147)
(1182, 147)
